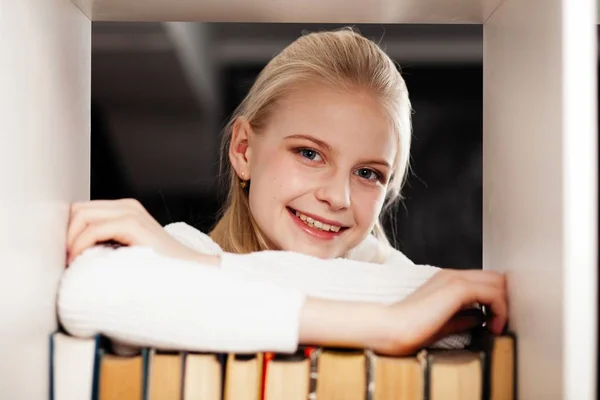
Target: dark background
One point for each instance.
(152, 139)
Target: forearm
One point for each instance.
(357, 279)
(343, 324)
(139, 298)
(335, 279)
(326, 319)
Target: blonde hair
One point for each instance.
(341, 59)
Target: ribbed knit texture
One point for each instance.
(251, 303)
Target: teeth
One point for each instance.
(317, 224)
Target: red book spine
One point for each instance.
(267, 358)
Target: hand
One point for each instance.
(434, 310)
(124, 221)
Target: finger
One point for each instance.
(119, 203)
(436, 282)
(461, 323)
(495, 301)
(123, 231)
(83, 216)
(472, 284)
(458, 294)
(445, 277)
(480, 276)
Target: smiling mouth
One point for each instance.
(316, 224)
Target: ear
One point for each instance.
(239, 148)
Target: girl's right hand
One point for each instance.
(422, 318)
(435, 309)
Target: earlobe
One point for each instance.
(239, 147)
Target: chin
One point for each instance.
(313, 250)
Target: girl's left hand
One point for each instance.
(124, 221)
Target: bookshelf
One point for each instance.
(540, 155)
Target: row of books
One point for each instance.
(87, 368)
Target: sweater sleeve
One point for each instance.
(360, 277)
(335, 279)
(338, 279)
(251, 303)
(137, 297)
(357, 278)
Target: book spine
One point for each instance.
(427, 361)
(515, 366)
(146, 370)
(51, 367)
(370, 372)
(184, 355)
(314, 373)
(99, 353)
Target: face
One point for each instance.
(318, 170)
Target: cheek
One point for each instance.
(367, 206)
(278, 177)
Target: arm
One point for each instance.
(359, 278)
(340, 279)
(364, 279)
(138, 297)
(355, 279)
(334, 279)
(150, 293)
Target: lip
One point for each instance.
(314, 232)
(326, 221)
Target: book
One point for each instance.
(499, 367)
(483, 371)
(341, 374)
(397, 378)
(502, 367)
(243, 379)
(203, 376)
(121, 377)
(72, 366)
(165, 375)
(453, 375)
(287, 377)
(89, 368)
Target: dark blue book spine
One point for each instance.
(101, 344)
(145, 373)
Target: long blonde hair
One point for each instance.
(341, 59)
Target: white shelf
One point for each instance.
(339, 11)
(540, 162)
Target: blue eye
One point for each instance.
(368, 174)
(309, 154)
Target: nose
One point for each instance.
(335, 191)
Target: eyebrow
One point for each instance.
(378, 162)
(312, 139)
(328, 148)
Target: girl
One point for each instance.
(314, 154)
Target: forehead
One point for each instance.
(350, 121)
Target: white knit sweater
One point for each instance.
(251, 303)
